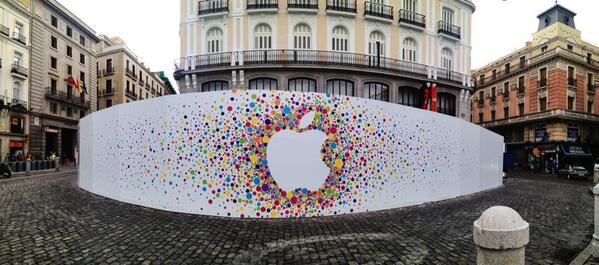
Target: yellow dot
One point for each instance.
(253, 158)
(265, 139)
(338, 163)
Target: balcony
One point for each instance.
(342, 7)
(410, 18)
(108, 71)
(521, 89)
(542, 83)
(131, 94)
(572, 82)
(142, 82)
(590, 88)
(4, 30)
(148, 86)
(302, 6)
(449, 30)
(311, 59)
(262, 6)
(378, 11)
(106, 92)
(131, 74)
(213, 7)
(68, 98)
(505, 96)
(492, 98)
(19, 71)
(19, 38)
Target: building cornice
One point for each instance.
(125, 50)
(68, 15)
(15, 5)
(555, 114)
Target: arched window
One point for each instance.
(340, 39)
(214, 39)
(378, 91)
(376, 43)
(340, 87)
(447, 59)
(302, 37)
(218, 85)
(446, 103)
(409, 96)
(408, 53)
(263, 37)
(302, 85)
(263, 84)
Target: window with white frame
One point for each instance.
(263, 37)
(340, 39)
(376, 43)
(447, 15)
(447, 59)
(16, 91)
(214, 39)
(302, 36)
(410, 5)
(409, 51)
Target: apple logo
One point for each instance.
(294, 158)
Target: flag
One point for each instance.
(83, 88)
(71, 81)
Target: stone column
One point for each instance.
(595, 241)
(500, 236)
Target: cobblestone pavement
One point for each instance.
(48, 220)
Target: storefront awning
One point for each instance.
(575, 150)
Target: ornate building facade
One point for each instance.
(382, 49)
(542, 98)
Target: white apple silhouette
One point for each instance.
(294, 159)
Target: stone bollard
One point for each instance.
(595, 241)
(596, 177)
(28, 167)
(57, 161)
(500, 236)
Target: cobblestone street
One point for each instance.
(48, 220)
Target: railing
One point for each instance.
(505, 95)
(303, 4)
(213, 6)
(450, 30)
(108, 71)
(542, 83)
(131, 74)
(412, 18)
(314, 57)
(19, 37)
(348, 6)
(378, 10)
(131, 94)
(142, 82)
(17, 69)
(262, 4)
(571, 81)
(106, 92)
(18, 102)
(492, 98)
(67, 98)
(36, 165)
(521, 89)
(4, 30)
(590, 87)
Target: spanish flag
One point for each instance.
(71, 81)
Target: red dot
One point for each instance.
(229, 108)
(293, 200)
(209, 201)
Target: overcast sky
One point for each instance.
(151, 27)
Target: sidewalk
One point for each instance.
(65, 170)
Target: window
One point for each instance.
(506, 112)
(410, 5)
(69, 91)
(53, 63)
(53, 86)
(571, 76)
(81, 40)
(506, 90)
(542, 104)
(446, 103)
(69, 51)
(69, 31)
(16, 91)
(215, 86)
(69, 112)
(506, 68)
(109, 103)
(16, 61)
(302, 85)
(53, 108)
(521, 85)
(494, 74)
(409, 96)
(570, 47)
(408, 52)
(340, 87)
(81, 114)
(543, 76)
(377, 91)
(263, 37)
(376, 44)
(521, 109)
(480, 117)
(447, 16)
(302, 36)
(340, 39)
(446, 59)
(590, 84)
(264, 84)
(18, 30)
(590, 106)
(82, 76)
(82, 58)
(570, 103)
(69, 70)
(109, 65)
(492, 115)
(522, 61)
(493, 94)
(482, 79)
(214, 39)
(544, 49)
(54, 21)
(109, 86)
(53, 42)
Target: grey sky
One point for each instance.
(151, 27)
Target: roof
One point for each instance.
(557, 6)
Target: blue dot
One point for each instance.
(287, 110)
(264, 162)
(248, 196)
(257, 180)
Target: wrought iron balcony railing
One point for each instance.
(521, 89)
(590, 87)
(4, 30)
(262, 4)
(303, 4)
(572, 82)
(19, 37)
(141, 81)
(213, 7)
(131, 94)
(412, 18)
(18, 102)
(108, 71)
(348, 6)
(314, 58)
(106, 92)
(69, 98)
(19, 70)
(378, 10)
(450, 30)
(131, 74)
(542, 83)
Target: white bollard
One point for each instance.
(500, 236)
(595, 241)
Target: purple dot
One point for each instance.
(265, 187)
